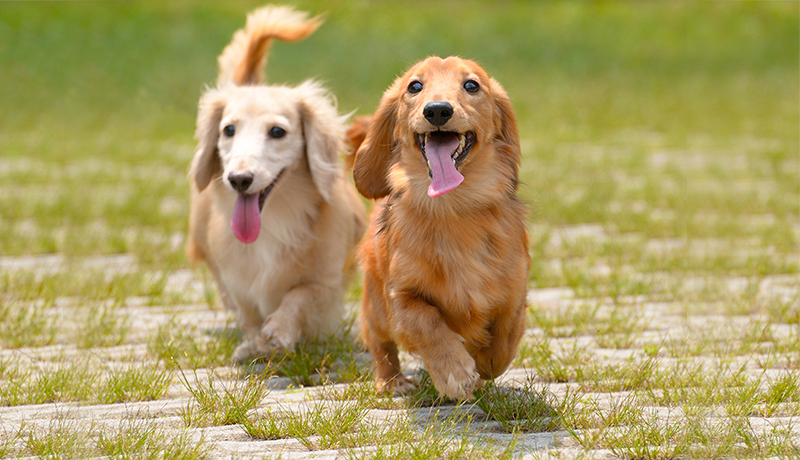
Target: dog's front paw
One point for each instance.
(276, 334)
(456, 379)
(244, 352)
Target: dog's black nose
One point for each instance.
(437, 113)
(240, 181)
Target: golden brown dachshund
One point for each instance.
(445, 258)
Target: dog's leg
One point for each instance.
(387, 368)
(506, 332)
(387, 363)
(248, 319)
(307, 310)
(383, 349)
(421, 328)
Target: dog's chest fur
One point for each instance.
(460, 263)
(286, 233)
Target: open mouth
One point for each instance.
(444, 152)
(246, 218)
(263, 195)
(465, 143)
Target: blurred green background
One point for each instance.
(654, 119)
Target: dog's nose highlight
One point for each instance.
(240, 181)
(437, 113)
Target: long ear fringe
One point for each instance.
(509, 133)
(374, 156)
(206, 164)
(324, 130)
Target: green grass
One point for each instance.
(334, 359)
(324, 426)
(104, 327)
(134, 440)
(661, 156)
(215, 402)
(139, 440)
(82, 381)
(185, 346)
(61, 440)
(135, 384)
(520, 410)
(25, 324)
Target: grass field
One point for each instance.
(661, 145)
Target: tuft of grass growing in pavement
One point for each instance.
(138, 439)
(554, 361)
(346, 425)
(520, 410)
(344, 420)
(424, 393)
(782, 396)
(8, 442)
(450, 436)
(698, 436)
(184, 346)
(104, 326)
(690, 418)
(26, 324)
(326, 425)
(133, 439)
(98, 286)
(66, 382)
(517, 410)
(218, 402)
(142, 383)
(338, 358)
(59, 440)
(81, 382)
(335, 421)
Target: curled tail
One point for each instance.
(242, 61)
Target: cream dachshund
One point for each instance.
(272, 214)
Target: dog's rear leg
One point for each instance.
(387, 369)
(388, 376)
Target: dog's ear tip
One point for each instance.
(370, 193)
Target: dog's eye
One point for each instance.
(414, 87)
(276, 132)
(472, 86)
(229, 131)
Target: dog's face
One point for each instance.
(447, 108)
(251, 138)
(441, 122)
(260, 136)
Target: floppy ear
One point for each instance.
(506, 126)
(206, 163)
(323, 130)
(374, 157)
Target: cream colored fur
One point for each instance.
(288, 285)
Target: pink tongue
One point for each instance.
(439, 150)
(246, 220)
